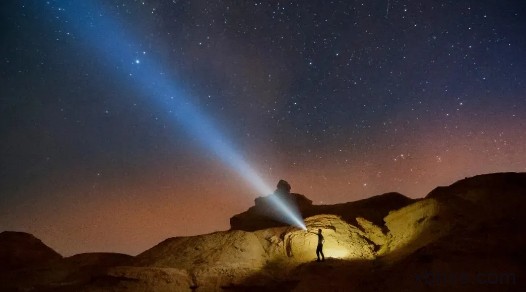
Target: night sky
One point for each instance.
(343, 99)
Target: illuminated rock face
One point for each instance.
(373, 232)
(225, 248)
(414, 226)
(342, 240)
(212, 259)
(465, 205)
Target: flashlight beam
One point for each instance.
(108, 38)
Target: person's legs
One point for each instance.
(318, 251)
(322, 255)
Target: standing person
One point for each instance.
(319, 249)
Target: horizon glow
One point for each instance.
(130, 61)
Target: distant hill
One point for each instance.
(28, 264)
(19, 250)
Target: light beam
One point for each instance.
(108, 38)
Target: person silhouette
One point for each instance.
(319, 249)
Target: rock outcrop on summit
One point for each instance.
(468, 236)
(263, 215)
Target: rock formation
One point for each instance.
(468, 236)
(20, 250)
(263, 214)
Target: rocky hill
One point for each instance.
(20, 250)
(468, 236)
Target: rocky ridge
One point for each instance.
(473, 227)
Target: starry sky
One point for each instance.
(343, 99)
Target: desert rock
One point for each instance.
(474, 228)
